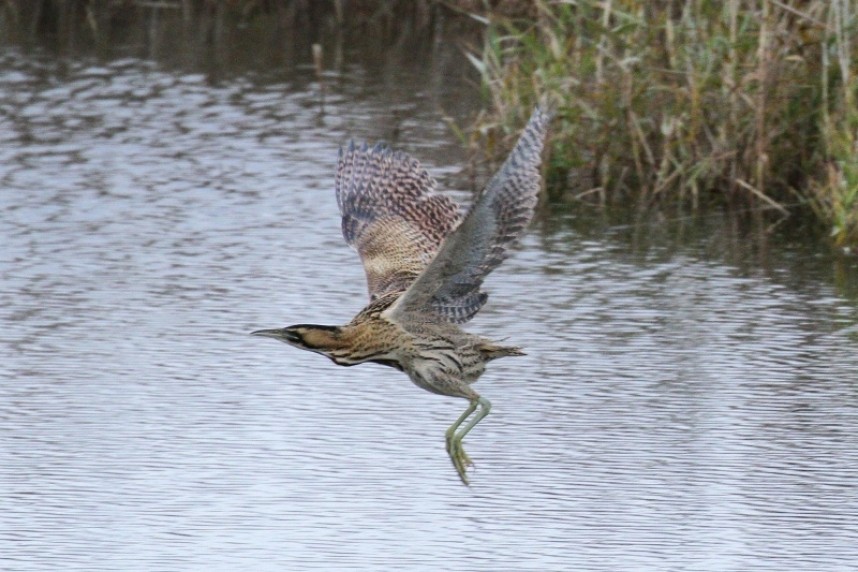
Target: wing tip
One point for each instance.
(547, 107)
(381, 148)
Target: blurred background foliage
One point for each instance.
(744, 103)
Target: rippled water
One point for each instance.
(686, 403)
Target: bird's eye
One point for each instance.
(373, 297)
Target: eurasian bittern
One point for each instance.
(424, 263)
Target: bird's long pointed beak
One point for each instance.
(275, 333)
(282, 334)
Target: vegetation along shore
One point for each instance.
(747, 103)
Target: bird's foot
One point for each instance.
(461, 460)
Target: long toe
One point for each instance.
(463, 473)
(464, 458)
(461, 460)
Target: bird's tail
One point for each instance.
(492, 351)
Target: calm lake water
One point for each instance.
(689, 400)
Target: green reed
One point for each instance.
(736, 101)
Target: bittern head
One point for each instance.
(312, 337)
(337, 343)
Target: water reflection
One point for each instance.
(683, 405)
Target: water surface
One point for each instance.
(688, 401)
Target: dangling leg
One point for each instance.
(485, 408)
(454, 442)
(454, 449)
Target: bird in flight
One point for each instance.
(425, 263)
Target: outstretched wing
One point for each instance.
(449, 288)
(391, 215)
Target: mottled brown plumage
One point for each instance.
(425, 264)
(391, 215)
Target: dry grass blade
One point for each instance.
(749, 100)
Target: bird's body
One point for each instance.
(424, 264)
(438, 356)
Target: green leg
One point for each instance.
(451, 431)
(454, 441)
(485, 408)
(454, 448)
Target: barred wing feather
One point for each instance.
(391, 215)
(449, 287)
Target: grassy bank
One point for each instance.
(741, 101)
